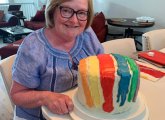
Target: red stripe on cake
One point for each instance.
(107, 78)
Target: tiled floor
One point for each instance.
(2, 44)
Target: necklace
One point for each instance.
(74, 65)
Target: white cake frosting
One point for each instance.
(107, 72)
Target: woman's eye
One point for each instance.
(67, 11)
(82, 13)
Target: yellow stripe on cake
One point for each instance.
(94, 79)
(83, 73)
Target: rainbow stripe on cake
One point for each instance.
(108, 82)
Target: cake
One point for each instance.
(107, 83)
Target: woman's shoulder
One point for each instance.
(89, 30)
(90, 41)
(90, 36)
(34, 39)
(33, 44)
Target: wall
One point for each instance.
(133, 9)
(128, 8)
(38, 3)
(28, 7)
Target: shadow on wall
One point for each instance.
(117, 10)
(111, 9)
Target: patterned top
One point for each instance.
(41, 67)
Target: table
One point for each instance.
(162, 50)
(152, 91)
(129, 23)
(11, 34)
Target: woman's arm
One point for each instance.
(29, 98)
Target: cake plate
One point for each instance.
(139, 111)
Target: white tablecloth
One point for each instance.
(155, 98)
(163, 50)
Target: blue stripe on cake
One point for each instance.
(124, 73)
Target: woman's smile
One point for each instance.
(71, 26)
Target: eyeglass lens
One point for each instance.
(69, 12)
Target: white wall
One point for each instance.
(38, 3)
(133, 9)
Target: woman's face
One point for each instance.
(70, 27)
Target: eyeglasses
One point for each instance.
(67, 12)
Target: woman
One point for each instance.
(47, 60)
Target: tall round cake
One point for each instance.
(107, 83)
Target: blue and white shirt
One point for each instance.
(39, 66)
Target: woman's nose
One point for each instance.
(74, 18)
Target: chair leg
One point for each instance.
(137, 43)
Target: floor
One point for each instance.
(2, 44)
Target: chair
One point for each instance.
(154, 39)
(6, 71)
(37, 21)
(10, 49)
(6, 112)
(9, 20)
(125, 46)
(99, 26)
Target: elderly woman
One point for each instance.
(47, 60)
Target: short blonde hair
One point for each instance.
(53, 4)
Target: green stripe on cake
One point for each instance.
(134, 80)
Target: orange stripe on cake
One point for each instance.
(83, 71)
(107, 77)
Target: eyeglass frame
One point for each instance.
(73, 12)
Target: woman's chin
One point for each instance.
(71, 35)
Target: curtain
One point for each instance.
(41, 3)
(4, 1)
